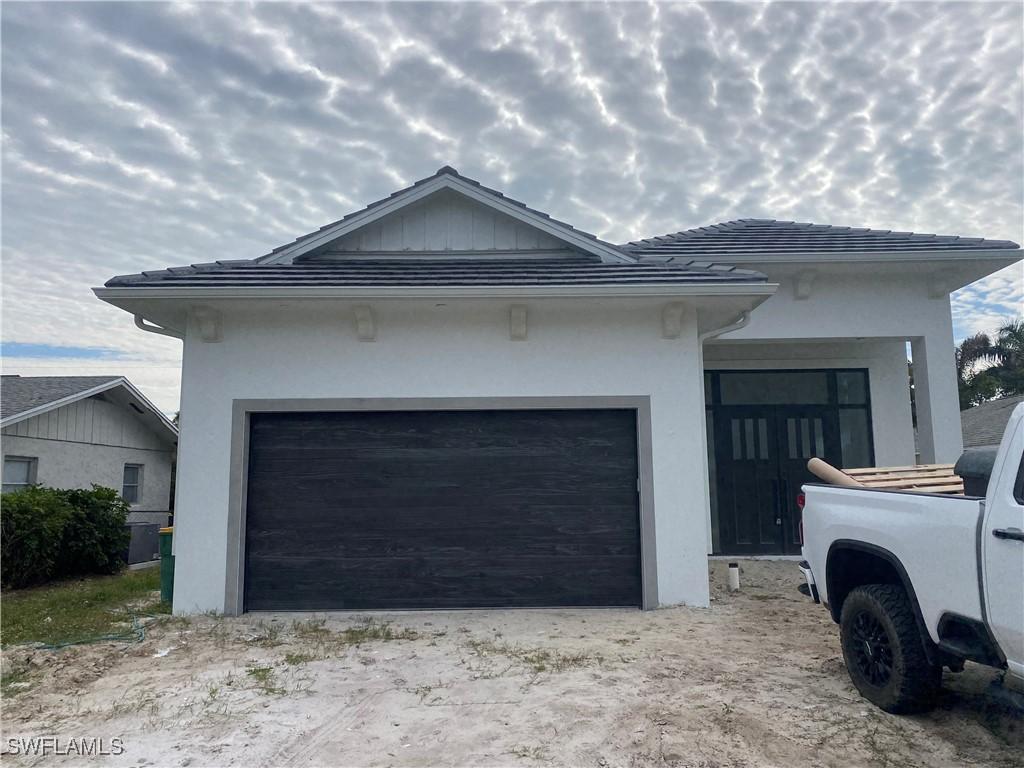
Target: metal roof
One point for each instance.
(440, 272)
(770, 237)
(984, 424)
(19, 394)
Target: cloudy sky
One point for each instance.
(142, 135)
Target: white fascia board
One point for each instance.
(150, 407)
(607, 253)
(437, 292)
(113, 384)
(863, 257)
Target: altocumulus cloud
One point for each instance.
(138, 136)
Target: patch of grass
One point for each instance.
(297, 659)
(267, 635)
(367, 630)
(311, 629)
(371, 629)
(530, 753)
(536, 660)
(13, 682)
(265, 681)
(73, 611)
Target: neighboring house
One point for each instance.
(983, 425)
(76, 431)
(450, 399)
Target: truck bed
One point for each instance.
(932, 535)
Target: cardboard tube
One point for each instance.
(825, 471)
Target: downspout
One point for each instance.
(141, 323)
(735, 325)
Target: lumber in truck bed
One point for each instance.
(925, 478)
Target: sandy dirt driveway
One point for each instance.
(756, 680)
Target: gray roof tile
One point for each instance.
(440, 272)
(984, 424)
(767, 237)
(23, 393)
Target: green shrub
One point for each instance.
(49, 533)
(32, 522)
(95, 537)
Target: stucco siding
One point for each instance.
(89, 442)
(63, 464)
(880, 304)
(443, 350)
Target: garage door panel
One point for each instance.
(508, 541)
(503, 516)
(364, 583)
(274, 498)
(458, 431)
(474, 471)
(442, 509)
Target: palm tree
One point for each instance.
(986, 370)
(1008, 351)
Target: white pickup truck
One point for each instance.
(922, 581)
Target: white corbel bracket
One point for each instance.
(804, 284)
(207, 321)
(517, 322)
(672, 321)
(366, 327)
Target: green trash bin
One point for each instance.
(166, 565)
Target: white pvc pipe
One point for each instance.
(734, 577)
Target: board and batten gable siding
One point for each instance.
(90, 441)
(92, 421)
(445, 222)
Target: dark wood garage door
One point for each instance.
(442, 509)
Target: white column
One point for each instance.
(935, 393)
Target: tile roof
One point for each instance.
(23, 393)
(984, 424)
(438, 272)
(769, 237)
(446, 170)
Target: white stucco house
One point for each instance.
(449, 399)
(77, 431)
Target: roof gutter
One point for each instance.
(429, 292)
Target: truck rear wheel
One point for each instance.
(884, 650)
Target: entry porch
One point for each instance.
(772, 405)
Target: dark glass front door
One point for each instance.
(759, 450)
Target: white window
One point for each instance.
(131, 488)
(19, 472)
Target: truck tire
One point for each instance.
(884, 650)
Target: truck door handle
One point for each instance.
(1009, 533)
